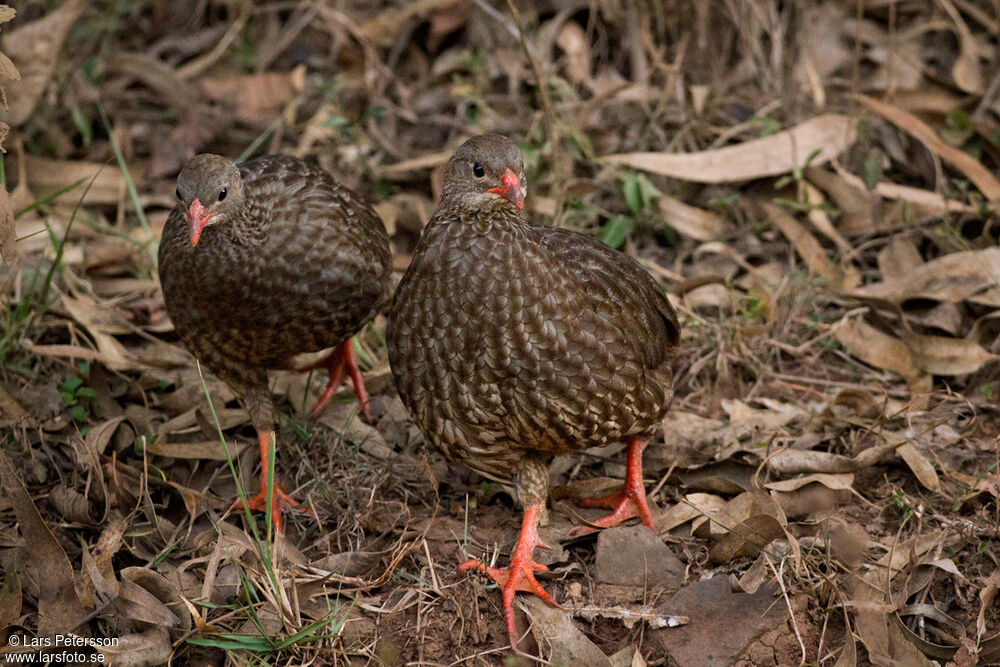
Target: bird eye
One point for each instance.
(222, 194)
(178, 193)
(478, 170)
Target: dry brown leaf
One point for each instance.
(742, 507)
(100, 324)
(821, 220)
(821, 138)
(986, 595)
(429, 161)
(841, 278)
(843, 481)
(789, 462)
(105, 181)
(747, 539)
(693, 506)
(952, 277)
(573, 41)
(712, 295)
(256, 98)
(922, 469)
(876, 348)
(691, 221)
(898, 259)
(966, 71)
(8, 72)
(210, 450)
(822, 47)
(70, 503)
(980, 176)
(857, 205)
(8, 232)
(940, 355)
(59, 607)
(34, 48)
(10, 598)
(562, 643)
(143, 649)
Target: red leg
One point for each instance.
(280, 498)
(627, 502)
(342, 357)
(520, 574)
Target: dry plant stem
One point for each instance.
(520, 574)
(342, 357)
(627, 502)
(280, 498)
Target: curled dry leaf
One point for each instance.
(691, 221)
(813, 493)
(821, 138)
(143, 649)
(966, 71)
(10, 597)
(96, 321)
(34, 48)
(58, 605)
(841, 278)
(843, 481)
(70, 503)
(973, 169)
(562, 643)
(745, 506)
(796, 461)
(746, 539)
(573, 41)
(8, 72)
(986, 595)
(876, 348)
(898, 259)
(940, 355)
(103, 183)
(8, 232)
(257, 98)
(693, 506)
(953, 278)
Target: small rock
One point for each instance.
(721, 624)
(634, 556)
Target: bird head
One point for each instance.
(487, 170)
(209, 191)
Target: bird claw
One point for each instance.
(627, 502)
(334, 363)
(280, 501)
(519, 575)
(628, 506)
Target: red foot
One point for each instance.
(334, 363)
(520, 574)
(627, 502)
(279, 502)
(280, 499)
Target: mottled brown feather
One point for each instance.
(510, 343)
(300, 265)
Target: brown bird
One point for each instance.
(263, 260)
(511, 343)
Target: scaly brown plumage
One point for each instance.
(510, 343)
(264, 260)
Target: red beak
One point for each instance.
(511, 189)
(197, 218)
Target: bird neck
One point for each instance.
(489, 215)
(251, 225)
